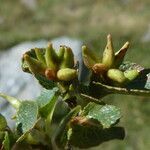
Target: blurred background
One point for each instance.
(88, 22)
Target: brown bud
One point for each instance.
(50, 74)
(99, 68)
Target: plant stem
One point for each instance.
(119, 90)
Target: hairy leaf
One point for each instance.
(25, 134)
(107, 115)
(46, 101)
(27, 115)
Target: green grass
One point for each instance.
(90, 21)
(86, 19)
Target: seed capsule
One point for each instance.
(51, 57)
(39, 55)
(89, 57)
(68, 58)
(35, 66)
(108, 54)
(99, 68)
(116, 75)
(131, 74)
(66, 74)
(119, 56)
(61, 53)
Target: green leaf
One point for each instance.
(85, 134)
(60, 137)
(45, 97)
(3, 123)
(27, 115)
(46, 101)
(25, 134)
(6, 142)
(12, 100)
(2, 134)
(107, 115)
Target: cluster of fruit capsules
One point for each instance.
(54, 66)
(108, 69)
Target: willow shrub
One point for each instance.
(85, 119)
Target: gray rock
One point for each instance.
(14, 81)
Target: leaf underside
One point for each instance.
(89, 135)
(27, 115)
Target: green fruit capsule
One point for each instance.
(39, 55)
(131, 74)
(89, 57)
(68, 58)
(108, 54)
(51, 57)
(61, 53)
(35, 66)
(119, 56)
(66, 74)
(116, 75)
